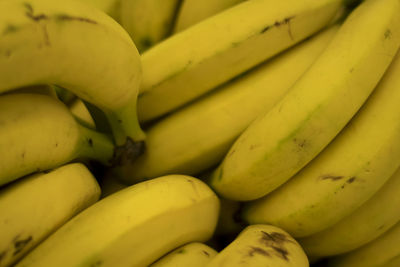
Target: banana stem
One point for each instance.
(127, 133)
(96, 146)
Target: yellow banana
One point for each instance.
(284, 139)
(75, 46)
(193, 11)
(188, 64)
(32, 208)
(194, 254)
(349, 171)
(148, 21)
(37, 133)
(381, 252)
(366, 223)
(261, 245)
(198, 136)
(133, 227)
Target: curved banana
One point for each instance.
(284, 139)
(366, 223)
(75, 46)
(37, 133)
(381, 252)
(148, 21)
(194, 11)
(348, 172)
(198, 136)
(194, 254)
(188, 64)
(32, 208)
(261, 245)
(133, 227)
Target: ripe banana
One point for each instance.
(32, 208)
(37, 133)
(284, 139)
(133, 227)
(148, 21)
(198, 136)
(261, 245)
(188, 64)
(194, 254)
(75, 46)
(366, 223)
(381, 252)
(349, 171)
(193, 11)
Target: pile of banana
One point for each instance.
(184, 133)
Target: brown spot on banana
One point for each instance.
(331, 177)
(257, 250)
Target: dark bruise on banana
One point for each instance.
(16, 247)
(272, 244)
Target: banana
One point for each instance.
(285, 138)
(75, 46)
(194, 254)
(148, 21)
(381, 252)
(261, 245)
(133, 227)
(32, 208)
(193, 11)
(215, 50)
(198, 136)
(37, 133)
(366, 223)
(348, 172)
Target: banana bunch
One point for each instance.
(284, 139)
(199, 133)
